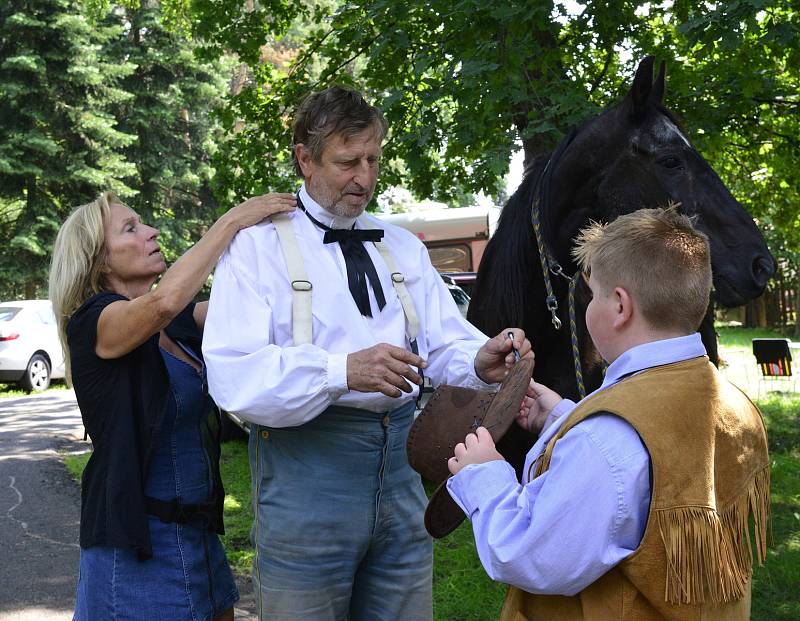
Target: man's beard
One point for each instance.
(335, 204)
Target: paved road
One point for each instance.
(40, 510)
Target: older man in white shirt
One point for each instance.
(339, 530)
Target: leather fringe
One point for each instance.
(709, 554)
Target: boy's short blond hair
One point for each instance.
(659, 258)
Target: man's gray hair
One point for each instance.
(337, 110)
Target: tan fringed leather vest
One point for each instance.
(710, 473)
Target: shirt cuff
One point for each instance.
(478, 482)
(337, 375)
(565, 406)
(475, 382)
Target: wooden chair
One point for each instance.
(774, 359)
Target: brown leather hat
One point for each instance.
(448, 417)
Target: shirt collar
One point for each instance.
(321, 214)
(653, 354)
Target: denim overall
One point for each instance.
(339, 530)
(188, 577)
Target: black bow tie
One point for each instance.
(357, 261)
(340, 235)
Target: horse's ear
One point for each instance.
(639, 95)
(657, 94)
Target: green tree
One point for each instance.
(739, 87)
(58, 138)
(461, 82)
(171, 112)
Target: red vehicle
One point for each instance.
(455, 238)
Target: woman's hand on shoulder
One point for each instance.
(126, 324)
(255, 209)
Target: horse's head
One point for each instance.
(635, 156)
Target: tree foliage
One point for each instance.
(171, 112)
(58, 136)
(739, 84)
(463, 82)
(127, 103)
(116, 103)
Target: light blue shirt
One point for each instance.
(560, 532)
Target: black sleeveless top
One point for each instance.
(122, 403)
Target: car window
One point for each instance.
(7, 313)
(451, 258)
(47, 316)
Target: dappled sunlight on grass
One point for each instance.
(235, 471)
(775, 593)
(12, 390)
(231, 503)
(461, 588)
(76, 463)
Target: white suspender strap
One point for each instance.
(398, 280)
(301, 286)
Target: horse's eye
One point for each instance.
(671, 162)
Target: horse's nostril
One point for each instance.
(763, 268)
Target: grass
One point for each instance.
(235, 471)
(462, 590)
(740, 338)
(776, 596)
(13, 390)
(76, 463)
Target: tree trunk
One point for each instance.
(761, 311)
(533, 150)
(756, 312)
(796, 310)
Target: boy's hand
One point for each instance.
(477, 448)
(537, 405)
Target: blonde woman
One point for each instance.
(151, 498)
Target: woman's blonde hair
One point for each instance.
(659, 257)
(76, 271)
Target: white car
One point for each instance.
(30, 352)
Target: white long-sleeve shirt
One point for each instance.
(254, 368)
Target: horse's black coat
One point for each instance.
(632, 156)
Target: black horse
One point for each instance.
(632, 156)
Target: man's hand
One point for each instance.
(383, 368)
(537, 405)
(496, 357)
(477, 448)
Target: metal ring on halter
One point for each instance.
(552, 306)
(557, 270)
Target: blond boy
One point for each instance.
(635, 501)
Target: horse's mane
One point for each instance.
(508, 261)
(503, 292)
